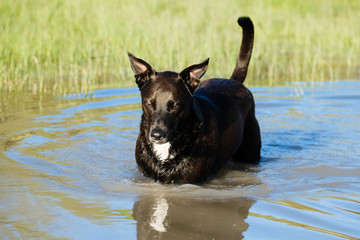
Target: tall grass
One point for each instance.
(66, 46)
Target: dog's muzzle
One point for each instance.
(159, 127)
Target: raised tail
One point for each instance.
(247, 42)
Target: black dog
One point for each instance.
(190, 129)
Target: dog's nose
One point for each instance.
(157, 134)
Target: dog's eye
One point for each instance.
(149, 105)
(172, 106)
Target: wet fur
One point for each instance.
(205, 123)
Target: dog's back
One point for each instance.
(232, 105)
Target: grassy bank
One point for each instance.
(76, 46)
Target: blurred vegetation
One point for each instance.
(73, 46)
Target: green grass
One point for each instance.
(63, 46)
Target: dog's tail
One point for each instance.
(247, 42)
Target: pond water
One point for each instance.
(68, 171)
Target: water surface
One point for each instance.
(68, 171)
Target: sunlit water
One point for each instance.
(67, 170)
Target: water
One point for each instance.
(67, 171)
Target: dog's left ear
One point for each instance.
(192, 75)
(143, 71)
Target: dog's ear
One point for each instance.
(192, 75)
(143, 71)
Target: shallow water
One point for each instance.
(67, 170)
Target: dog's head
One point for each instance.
(166, 97)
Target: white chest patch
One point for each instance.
(162, 151)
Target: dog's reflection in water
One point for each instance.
(157, 219)
(179, 218)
